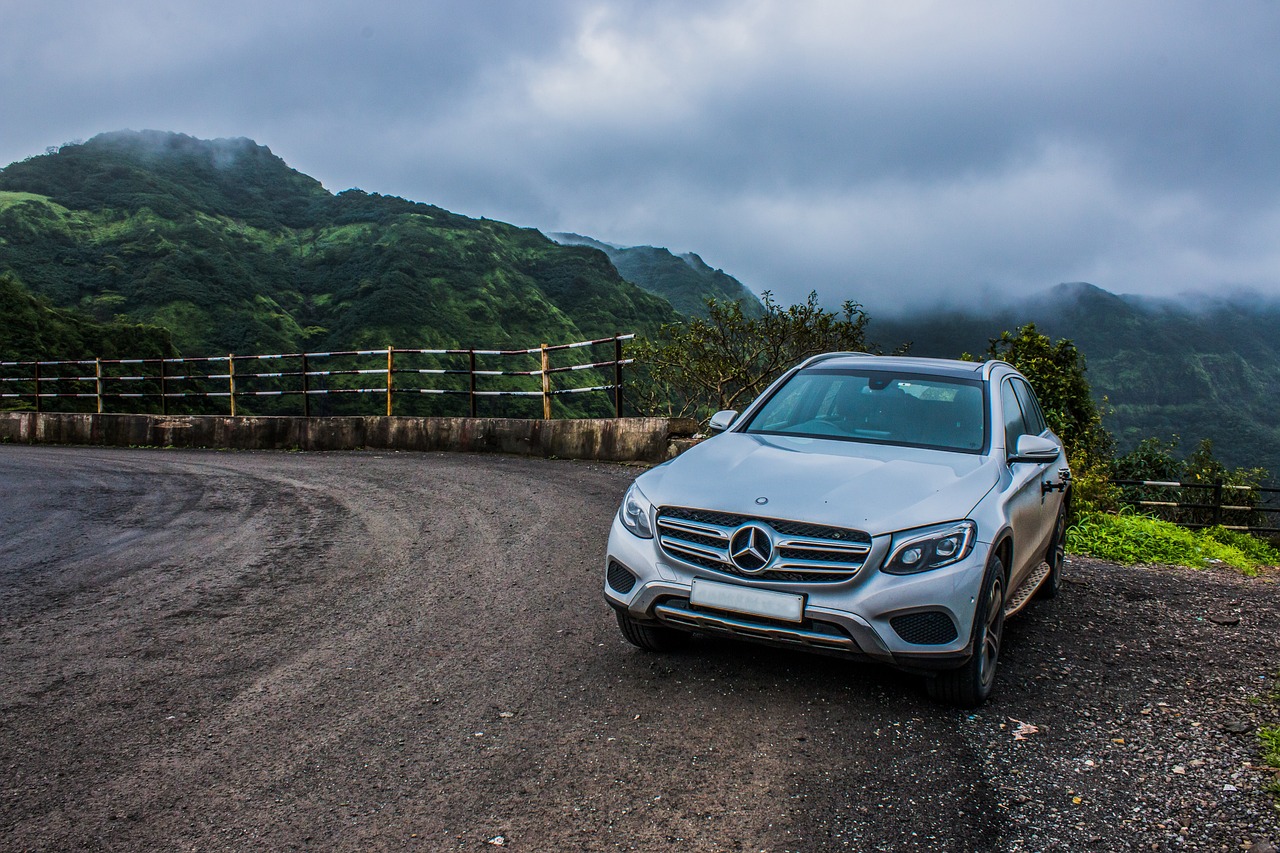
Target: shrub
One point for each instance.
(1129, 538)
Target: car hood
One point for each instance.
(876, 488)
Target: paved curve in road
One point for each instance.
(411, 651)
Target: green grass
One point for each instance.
(1269, 738)
(1128, 538)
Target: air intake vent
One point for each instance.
(925, 629)
(620, 577)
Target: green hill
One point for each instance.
(30, 328)
(686, 281)
(231, 250)
(1202, 368)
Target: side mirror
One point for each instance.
(721, 420)
(1035, 448)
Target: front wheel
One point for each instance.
(970, 685)
(651, 638)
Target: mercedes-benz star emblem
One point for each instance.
(750, 548)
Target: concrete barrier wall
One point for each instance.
(604, 439)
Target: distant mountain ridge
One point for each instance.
(229, 248)
(1196, 367)
(686, 281)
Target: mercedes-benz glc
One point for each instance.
(885, 508)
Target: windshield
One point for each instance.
(881, 407)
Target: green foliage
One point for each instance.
(1153, 459)
(1156, 460)
(696, 367)
(1092, 490)
(233, 251)
(1251, 546)
(30, 328)
(1269, 740)
(1128, 538)
(171, 174)
(1056, 370)
(683, 280)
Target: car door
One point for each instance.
(1025, 498)
(1036, 425)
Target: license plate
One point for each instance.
(786, 606)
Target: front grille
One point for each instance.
(802, 552)
(925, 629)
(619, 577)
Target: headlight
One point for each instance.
(635, 513)
(930, 548)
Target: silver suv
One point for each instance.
(885, 508)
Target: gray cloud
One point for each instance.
(889, 153)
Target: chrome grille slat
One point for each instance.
(802, 552)
(694, 550)
(712, 531)
(824, 545)
(811, 567)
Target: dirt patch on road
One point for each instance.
(207, 650)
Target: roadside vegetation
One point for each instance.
(1129, 538)
(1269, 737)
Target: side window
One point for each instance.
(1030, 407)
(1014, 425)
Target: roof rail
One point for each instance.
(990, 365)
(815, 359)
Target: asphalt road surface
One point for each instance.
(354, 651)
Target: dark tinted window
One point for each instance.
(1030, 407)
(1014, 424)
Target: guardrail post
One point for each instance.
(37, 377)
(472, 395)
(617, 376)
(546, 384)
(306, 389)
(164, 389)
(1217, 502)
(97, 372)
(389, 372)
(231, 381)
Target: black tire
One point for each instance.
(1055, 556)
(651, 638)
(970, 685)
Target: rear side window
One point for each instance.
(1031, 413)
(1014, 423)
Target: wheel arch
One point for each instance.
(1003, 549)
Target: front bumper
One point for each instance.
(851, 618)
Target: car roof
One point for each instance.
(909, 364)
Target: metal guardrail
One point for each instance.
(1213, 504)
(170, 379)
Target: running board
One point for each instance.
(1023, 594)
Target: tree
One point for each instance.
(1056, 370)
(723, 361)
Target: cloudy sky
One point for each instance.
(887, 152)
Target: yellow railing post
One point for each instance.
(97, 372)
(546, 384)
(390, 370)
(231, 381)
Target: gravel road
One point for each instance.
(355, 651)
